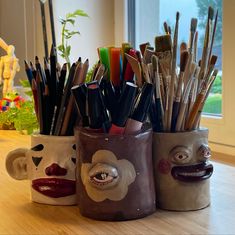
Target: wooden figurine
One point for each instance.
(9, 65)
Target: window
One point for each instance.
(148, 20)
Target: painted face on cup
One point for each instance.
(187, 163)
(50, 165)
(182, 169)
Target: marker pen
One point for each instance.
(109, 96)
(140, 111)
(97, 113)
(124, 108)
(79, 92)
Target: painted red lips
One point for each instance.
(54, 187)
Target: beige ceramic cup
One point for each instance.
(182, 170)
(49, 165)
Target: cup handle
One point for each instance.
(16, 164)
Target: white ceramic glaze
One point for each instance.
(50, 167)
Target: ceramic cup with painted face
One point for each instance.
(49, 165)
(115, 175)
(182, 170)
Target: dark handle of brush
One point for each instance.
(153, 115)
(175, 112)
(159, 124)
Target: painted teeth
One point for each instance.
(44, 188)
(200, 173)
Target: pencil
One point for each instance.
(28, 73)
(64, 101)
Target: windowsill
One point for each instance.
(223, 158)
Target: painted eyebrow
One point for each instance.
(38, 147)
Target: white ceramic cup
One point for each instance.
(49, 165)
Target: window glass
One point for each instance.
(150, 17)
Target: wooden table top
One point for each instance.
(20, 216)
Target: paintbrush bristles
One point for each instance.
(193, 26)
(177, 16)
(163, 43)
(165, 27)
(210, 13)
(183, 60)
(213, 60)
(183, 47)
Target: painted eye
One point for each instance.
(204, 152)
(180, 155)
(73, 160)
(36, 160)
(38, 147)
(103, 176)
(74, 147)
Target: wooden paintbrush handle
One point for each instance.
(180, 116)
(193, 113)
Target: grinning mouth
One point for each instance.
(192, 173)
(54, 187)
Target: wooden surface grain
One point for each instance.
(20, 216)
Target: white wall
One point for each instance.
(20, 24)
(96, 31)
(12, 29)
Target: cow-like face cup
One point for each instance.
(182, 170)
(50, 165)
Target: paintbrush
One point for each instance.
(206, 43)
(197, 120)
(193, 27)
(145, 72)
(166, 28)
(213, 36)
(193, 92)
(176, 105)
(158, 97)
(173, 74)
(184, 101)
(201, 95)
(148, 55)
(183, 47)
(135, 65)
(143, 47)
(163, 48)
(195, 47)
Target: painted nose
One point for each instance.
(55, 169)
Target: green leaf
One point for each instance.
(80, 13)
(68, 49)
(61, 48)
(71, 21)
(62, 21)
(74, 32)
(25, 83)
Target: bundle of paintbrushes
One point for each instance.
(54, 105)
(179, 97)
